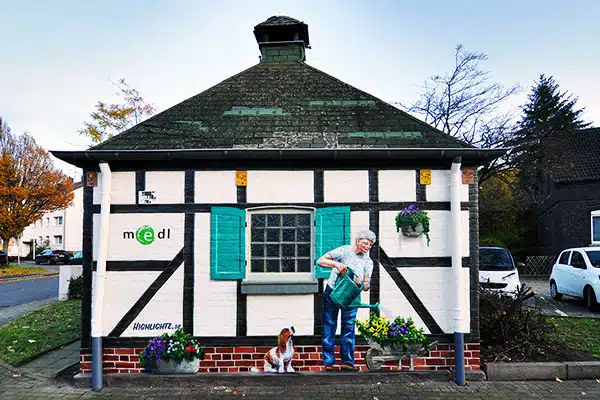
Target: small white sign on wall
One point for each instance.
(147, 197)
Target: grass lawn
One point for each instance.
(580, 334)
(15, 270)
(40, 331)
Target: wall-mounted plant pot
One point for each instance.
(407, 230)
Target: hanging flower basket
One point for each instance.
(178, 353)
(413, 222)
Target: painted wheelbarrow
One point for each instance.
(377, 354)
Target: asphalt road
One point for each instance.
(26, 291)
(566, 307)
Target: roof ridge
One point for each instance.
(395, 109)
(110, 139)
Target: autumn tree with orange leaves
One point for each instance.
(30, 185)
(111, 119)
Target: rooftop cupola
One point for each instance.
(282, 38)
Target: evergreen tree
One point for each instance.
(549, 113)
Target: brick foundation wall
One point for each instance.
(306, 358)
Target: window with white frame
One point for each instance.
(58, 239)
(596, 227)
(58, 221)
(280, 243)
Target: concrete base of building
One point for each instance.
(542, 370)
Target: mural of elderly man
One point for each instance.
(357, 258)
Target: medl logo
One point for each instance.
(145, 234)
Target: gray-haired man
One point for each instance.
(357, 258)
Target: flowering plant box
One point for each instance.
(172, 354)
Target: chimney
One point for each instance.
(282, 38)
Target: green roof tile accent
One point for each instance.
(340, 103)
(402, 135)
(255, 111)
(196, 124)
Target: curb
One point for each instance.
(27, 277)
(35, 357)
(148, 380)
(542, 370)
(17, 372)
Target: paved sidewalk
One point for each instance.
(51, 364)
(11, 313)
(14, 385)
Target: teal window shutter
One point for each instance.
(332, 225)
(227, 243)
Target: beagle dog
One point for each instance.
(279, 358)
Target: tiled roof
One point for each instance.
(576, 156)
(281, 105)
(279, 20)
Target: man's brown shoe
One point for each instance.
(349, 368)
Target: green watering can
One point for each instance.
(346, 293)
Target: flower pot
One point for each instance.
(407, 230)
(177, 367)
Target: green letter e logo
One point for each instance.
(145, 235)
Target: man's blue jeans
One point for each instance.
(330, 313)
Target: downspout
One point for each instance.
(99, 277)
(460, 290)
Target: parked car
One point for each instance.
(52, 257)
(576, 273)
(497, 270)
(3, 259)
(76, 258)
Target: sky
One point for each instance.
(59, 58)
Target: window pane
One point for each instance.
(273, 235)
(289, 219)
(257, 265)
(304, 220)
(304, 250)
(564, 258)
(274, 220)
(303, 235)
(288, 265)
(273, 265)
(258, 235)
(258, 220)
(257, 250)
(288, 250)
(596, 231)
(289, 235)
(304, 265)
(272, 250)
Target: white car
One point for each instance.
(576, 273)
(497, 270)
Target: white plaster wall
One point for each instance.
(73, 221)
(123, 188)
(396, 244)
(121, 249)
(393, 302)
(280, 187)
(435, 287)
(397, 185)
(169, 186)
(67, 272)
(346, 186)
(439, 190)
(269, 314)
(124, 288)
(215, 302)
(215, 187)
